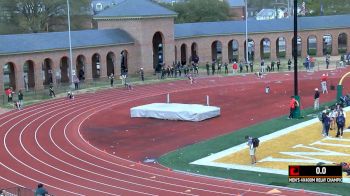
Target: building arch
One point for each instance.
(9, 75)
(158, 50)
(81, 67)
(64, 68)
(299, 46)
(176, 55)
(110, 59)
(251, 49)
(342, 43)
(28, 71)
(96, 65)
(233, 51)
(124, 67)
(47, 71)
(281, 47)
(327, 41)
(194, 53)
(183, 54)
(265, 48)
(312, 45)
(216, 51)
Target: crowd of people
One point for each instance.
(333, 118)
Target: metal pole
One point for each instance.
(246, 30)
(295, 44)
(297, 113)
(70, 45)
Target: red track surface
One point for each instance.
(42, 143)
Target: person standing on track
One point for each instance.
(316, 99)
(324, 79)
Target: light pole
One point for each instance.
(295, 55)
(70, 46)
(246, 31)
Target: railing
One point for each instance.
(17, 191)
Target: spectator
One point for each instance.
(9, 94)
(234, 68)
(251, 67)
(345, 168)
(20, 98)
(272, 66)
(327, 60)
(289, 64)
(324, 79)
(226, 67)
(316, 99)
(293, 104)
(76, 82)
(240, 67)
(213, 67)
(207, 67)
(111, 78)
(326, 120)
(41, 191)
(26, 83)
(340, 123)
(278, 64)
(142, 74)
(262, 66)
(252, 149)
(51, 91)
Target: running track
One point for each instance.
(43, 143)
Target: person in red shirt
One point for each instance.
(324, 79)
(9, 93)
(234, 67)
(293, 104)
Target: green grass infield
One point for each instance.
(180, 159)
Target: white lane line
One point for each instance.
(43, 162)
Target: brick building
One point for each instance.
(141, 33)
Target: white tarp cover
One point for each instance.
(175, 111)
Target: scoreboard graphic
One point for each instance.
(315, 174)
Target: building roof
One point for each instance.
(236, 3)
(40, 42)
(135, 9)
(258, 26)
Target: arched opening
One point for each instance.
(327, 44)
(299, 44)
(80, 67)
(233, 51)
(96, 66)
(64, 66)
(47, 70)
(28, 71)
(110, 63)
(124, 62)
(194, 53)
(183, 54)
(175, 54)
(312, 45)
(281, 47)
(251, 50)
(265, 48)
(9, 75)
(342, 43)
(158, 51)
(216, 51)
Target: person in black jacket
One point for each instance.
(316, 99)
